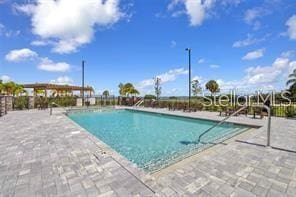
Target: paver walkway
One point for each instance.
(42, 155)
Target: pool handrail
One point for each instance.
(236, 112)
(137, 104)
(221, 122)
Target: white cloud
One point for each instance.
(50, 66)
(214, 66)
(250, 40)
(171, 75)
(200, 79)
(64, 80)
(227, 85)
(201, 61)
(173, 44)
(7, 32)
(254, 54)
(18, 55)
(5, 78)
(196, 10)
(253, 15)
(288, 54)
(263, 77)
(70, 24)
(41, 42)
(45, 64)
(291, 23)
(270, 74)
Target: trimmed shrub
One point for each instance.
(64, 101)
(21, 102)
(290, 111)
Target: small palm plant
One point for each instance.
(292, 81)
(106, 93)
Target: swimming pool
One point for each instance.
(151, 140)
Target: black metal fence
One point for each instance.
(102, 100)
(284, 109)
(278, 109)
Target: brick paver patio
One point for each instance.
(42, 155)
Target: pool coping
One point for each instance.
(105, 150)
(251, 125)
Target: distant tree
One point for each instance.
(106, 93)
(121, 92)
(148, 96)
(292, 82)
(157, 87)
(212, 86)
(196, 87)
(173, 97)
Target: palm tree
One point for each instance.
(292, 79)
(213, 87)
(134, 91)
(292, 82)
(106, 93)
(127, 89)
(18, 89)
(9, 88)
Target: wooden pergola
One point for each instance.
(59, 89)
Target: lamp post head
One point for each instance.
(188, 49)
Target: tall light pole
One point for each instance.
(83, 82)
(189, 77)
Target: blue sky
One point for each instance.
(245, 44)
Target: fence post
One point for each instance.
(268, 124)
(50, 110)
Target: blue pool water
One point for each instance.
(151, 140)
